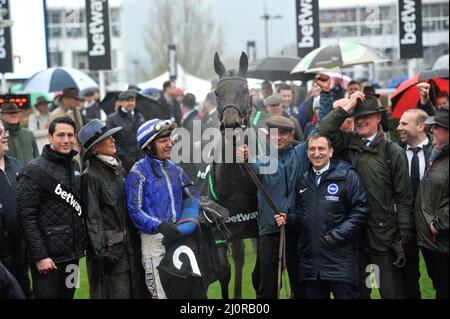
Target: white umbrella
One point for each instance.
(56, 79)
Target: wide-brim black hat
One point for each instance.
(92, 133)
(441, 118)
(368, 106)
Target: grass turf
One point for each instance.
(247, 289)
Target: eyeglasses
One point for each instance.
(4, 133)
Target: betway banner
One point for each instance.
(99, 43)
(410, 20)
(308, 29)
(6, 61)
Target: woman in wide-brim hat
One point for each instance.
(113, 253)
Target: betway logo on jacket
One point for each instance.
(242, 217)
(69, 198)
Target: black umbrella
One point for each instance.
(147, 106)
(276, 69)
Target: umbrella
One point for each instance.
(441, 63)
(147, 106)
(405, 97)
(395, 81)
(275, 69)
(56, 79)
(339, 55)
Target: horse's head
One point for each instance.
(233, 99)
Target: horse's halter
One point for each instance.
(245, 116)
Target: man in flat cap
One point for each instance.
(384, 169)
(432, 208)
(274, 106)
(130, 120)
(292, 161)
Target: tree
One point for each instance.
(188, 25)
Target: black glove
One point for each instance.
(170, 232)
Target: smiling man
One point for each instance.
(158, 192)
(49, 211)
(387, 181)
(331, 209)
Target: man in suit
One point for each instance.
(416, 144)
(190, 114)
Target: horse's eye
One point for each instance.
(216, 93)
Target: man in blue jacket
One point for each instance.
(158, 192)
(292, 162)
(331, 210)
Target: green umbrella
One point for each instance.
(339, 55)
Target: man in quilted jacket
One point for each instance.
(50, 213)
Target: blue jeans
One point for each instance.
(321, 289)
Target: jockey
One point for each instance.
(159, 194)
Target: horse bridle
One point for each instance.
(245, 116)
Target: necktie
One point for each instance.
(366, 143)
(317, 180)
(415, 173)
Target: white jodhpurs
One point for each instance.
(152, 253)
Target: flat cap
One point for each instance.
(127, 95)
(280, 122)
(274, 99)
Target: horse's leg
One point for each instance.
(238, 251)
(225, 275)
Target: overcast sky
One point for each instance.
(240, 19)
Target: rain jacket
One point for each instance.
(432, 205)
(388, 185)
(292, 162)
(155, 192)
(337, 207)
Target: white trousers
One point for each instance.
(152, 253)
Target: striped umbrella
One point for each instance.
(56, 79)
(339, 55)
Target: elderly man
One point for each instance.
(129, 119)
(432, 204)
(384, 169)
(274, 107)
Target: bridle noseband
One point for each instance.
(245, 116)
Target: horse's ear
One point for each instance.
(243, 64)
(218, 66)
